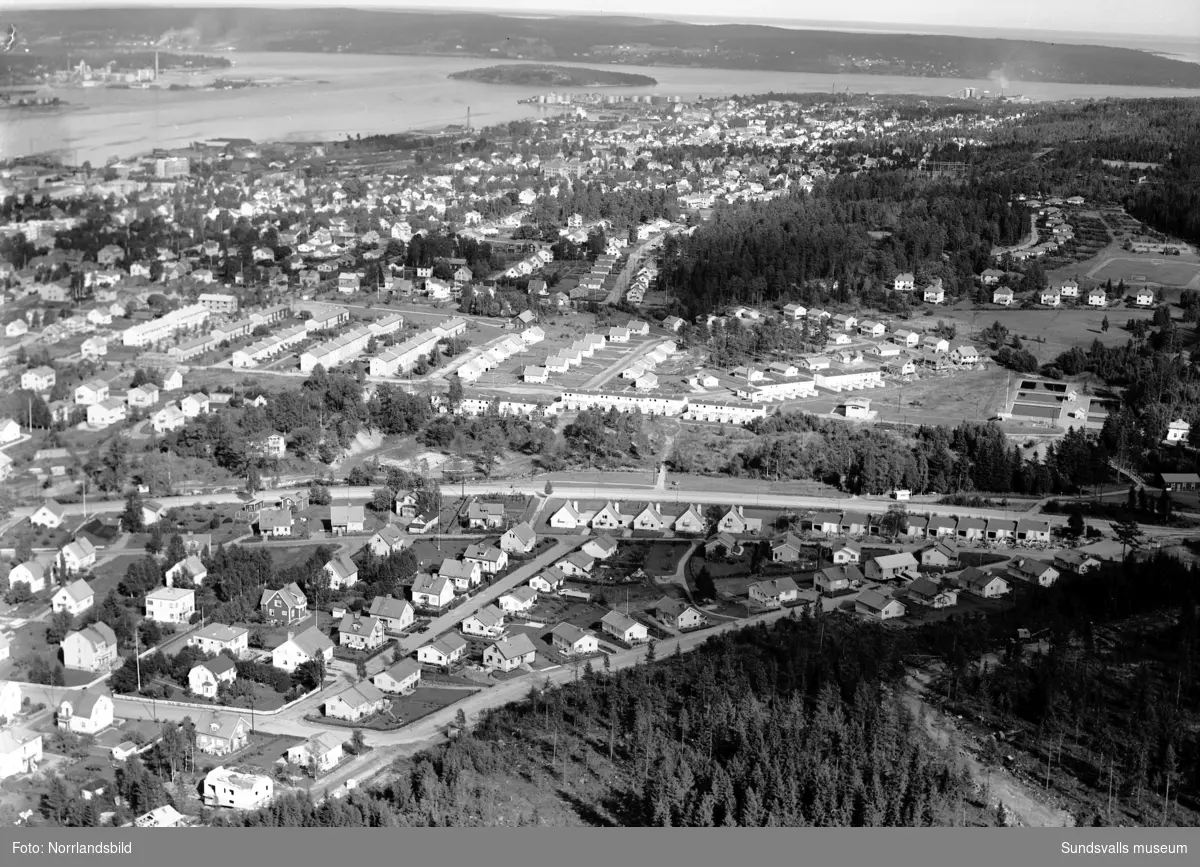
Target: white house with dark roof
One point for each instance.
(569, 640)
(296, 649)
(205, 678)
(73, 598)
(86, 713)
(360, 633)
(508, 654)
(396, 615)
(567, 517)
(192, 566)
(491, 559)
(77, 556)
(774, 593)
(323, 750)
(624, 628)
(877, 606)
(362, 700)
(49, 514)
(93, 648)
(219, 734)
(520, 539)
(31, 573)
(444, 651)
(401, 677)
(342, 572)
(487, 622)
(433, 591)
(518, 600)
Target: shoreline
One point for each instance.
(319, 96)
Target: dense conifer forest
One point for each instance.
(809, 722)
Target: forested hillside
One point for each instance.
(791, 725)
(761, 253)
(804, 723)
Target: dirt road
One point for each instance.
(1028, 806)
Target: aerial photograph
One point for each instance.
(645, 415)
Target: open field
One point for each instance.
(1142, 269)
(1061, 328)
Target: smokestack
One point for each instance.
(156, 65)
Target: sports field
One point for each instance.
(1139, 270)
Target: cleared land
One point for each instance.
(1148, 269)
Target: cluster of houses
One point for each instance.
(499, 352)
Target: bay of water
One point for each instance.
(327, 96)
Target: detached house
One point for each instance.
(444, 652)
(487, 622)
(285, 605)
(32, 573)
(519, 600)
(342, 572)
(1003, 296)
(569, 640)
(396, 615)
(929, 593)
(1033, 572)
(735, 522)
(78, 556)
(309, 645)
(402, 677)
(776, 593)
(388, 540)
(360, 633)
(232, 790)
(982, 583)
(485, 515)
(323, 751)
(692, 521)
(623, 628)
(786, 550)
(510, 653)
(85, 713)
(519, 539)
(91, 649)
(566, 518)
(205, 678)
(650, 519)
(50, 515)
(602, 547)
(679, 615)
(837, 579)
(433, 591)
(360, 701)
(491, 560)
(609, 518)
(74, 598)
(875, 605)
(221, 734)
(346, 519)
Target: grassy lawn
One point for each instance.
(727, 567)
(108, 575)
(39, 537)
(663, 558)
(262, 751)
(424, 700)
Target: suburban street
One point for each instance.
(495, 590)
(724, 492)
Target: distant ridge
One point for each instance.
(599, 40)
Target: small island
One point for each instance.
(542, 75)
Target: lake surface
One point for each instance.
(327, 96)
